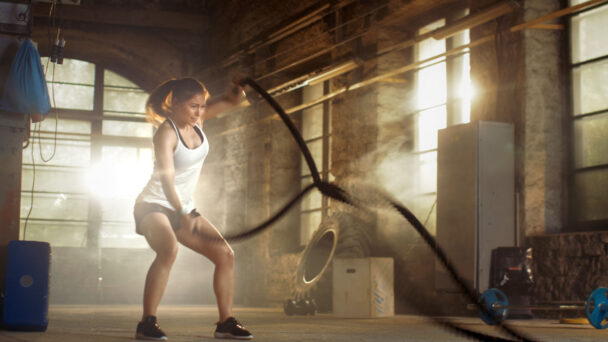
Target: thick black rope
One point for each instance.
(335, 192)
(262, 226)
(292, 128)
(428, 238)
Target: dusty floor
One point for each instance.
(196, 323)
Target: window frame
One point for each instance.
(97, 141)
(452, 104)
(574, 224)
(324, 170)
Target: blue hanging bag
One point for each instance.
(26, 90)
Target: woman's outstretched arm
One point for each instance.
(230, 99)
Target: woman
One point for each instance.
(164, 211)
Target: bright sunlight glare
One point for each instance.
(117, 176)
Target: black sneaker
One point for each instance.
(148, 329)
(231, 328)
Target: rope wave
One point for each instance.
(336, 192)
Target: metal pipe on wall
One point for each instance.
(414, 66)
(301, 23)
(475, 19)
(467, 22)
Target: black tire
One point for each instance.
(289, 307)
(354, 241)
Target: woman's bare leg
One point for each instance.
(220, 253)
(161, 238)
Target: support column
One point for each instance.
(521, 79)
(546, 107)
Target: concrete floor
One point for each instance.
(196, 323)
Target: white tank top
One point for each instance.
(188, 164)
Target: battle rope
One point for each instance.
(335, 192)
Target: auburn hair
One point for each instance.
(158, 105)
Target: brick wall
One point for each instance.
(569, 266)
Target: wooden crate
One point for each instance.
(363, 287)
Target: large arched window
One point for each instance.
(81, 173)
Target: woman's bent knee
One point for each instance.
(226, 256)
(168, 253)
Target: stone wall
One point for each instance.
(547, 109)
(568, 267)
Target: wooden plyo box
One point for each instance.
(363, 287)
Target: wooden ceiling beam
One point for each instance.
(129, 17)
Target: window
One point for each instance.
(83, 196)
(443, 94)
(589, 58)
(315, 131)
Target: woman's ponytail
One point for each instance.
(158, 104)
